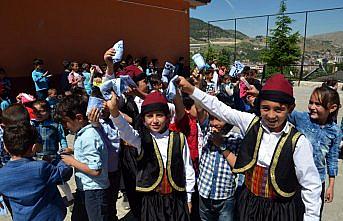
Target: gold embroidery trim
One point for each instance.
(253, 122)
(295, 139)
(253, 161)
(140, 156)
(170, 153)
(273, 167)
(160, 176)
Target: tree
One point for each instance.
(210, 54)
(224, 57)
(283, 49)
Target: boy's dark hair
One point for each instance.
(15, 114)
(70, 106)
(18, 139)
(155, 80)
(227, 127)
(38, 61)
(225, 77)
(43, 104)
(187, 101)
(66, 64)
(330, 83)
(72, 64)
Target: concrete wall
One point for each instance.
(82, 30)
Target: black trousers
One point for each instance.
(91, 205)
(114, 178)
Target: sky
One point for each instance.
(318, 22)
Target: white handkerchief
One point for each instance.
(119, 48)
(118, 85)
(199, 61)
(94, 102)
(127, 81)
(239, 66)
(106, 89)
(171, 90)
(236, 69)
(168, 72)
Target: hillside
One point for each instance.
(335, 38)
(198, 31)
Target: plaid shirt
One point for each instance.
(52, 136)
(216, 180)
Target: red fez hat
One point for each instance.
(278, 89)
(155, 101)
(134, 72)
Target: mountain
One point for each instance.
(199, 31)
(335, 38)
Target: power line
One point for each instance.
(153, 6)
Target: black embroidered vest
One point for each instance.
(150, 165)
(282, 170)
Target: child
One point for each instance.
(156, 83)
(75, 79)
(165, 176)
(325, 135)
(210, 84)
(52, 100)
(27, 100)
(29, 185)
(52, 133)
(110, 136)
(276, 159)
(89, 160)
(226, 91)
(52, 137)
(216, 182)
(40, 78)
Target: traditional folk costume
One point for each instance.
(165, 176)
(281, 180)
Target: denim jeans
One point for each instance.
(216, 210)
(91, 205)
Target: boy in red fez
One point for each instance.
(280, 175)
(165, 175)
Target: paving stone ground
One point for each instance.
(332, 211)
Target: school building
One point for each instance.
(82, 30)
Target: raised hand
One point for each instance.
(113, 105)
(94, 117)
(184, 85)
(108, 56)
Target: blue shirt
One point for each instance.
(5, 103)
(52, 135)
(90, 149)
(216, 180)
(325, 140)
(31, 189)
(87, 83)
(41, 83)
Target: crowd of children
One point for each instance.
(223, 147)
